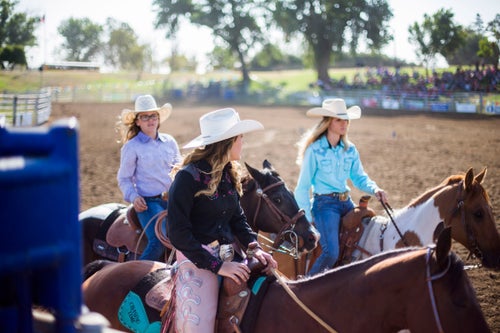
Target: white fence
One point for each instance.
(23, 110)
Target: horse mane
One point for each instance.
(430, 192)
(360, 264)
(95, 266)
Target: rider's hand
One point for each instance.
(237, 271)
(266, 259)
(140, 204)
(381, 195)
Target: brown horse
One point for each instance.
(267, 202)
(420, 289)
(459, 202)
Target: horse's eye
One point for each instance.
(478, 214)
(277, 201)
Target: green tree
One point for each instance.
(222, 58)
(82, 39)
(329, 26)
(437, 34)
(123, 50)
(233, 22)
(467, 53)
(16, 32)
(493, 28)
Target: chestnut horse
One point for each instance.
(419, 289)
(459, 202)
(267, 202)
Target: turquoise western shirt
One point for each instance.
(325, 169)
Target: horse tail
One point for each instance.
(94, 266)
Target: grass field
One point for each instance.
(288, 80)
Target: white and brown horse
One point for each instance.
(459, 202)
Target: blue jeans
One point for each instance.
(327, 212)
(154, 249)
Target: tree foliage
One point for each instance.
(123, 50)
(82, 39)
(232, 22)
(329, 26)
(437, 34)
(16, 32)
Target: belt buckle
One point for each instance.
(343, 196)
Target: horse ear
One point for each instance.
(256, 174)
(480, 176)
(469, 177)
(443, 247)
(267, 165)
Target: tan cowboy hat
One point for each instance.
(335, 107)
(146, 103)
(220, 125)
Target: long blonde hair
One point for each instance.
(217, 155)
(314, 134)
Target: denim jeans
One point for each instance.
(327, 212)
(154, 249)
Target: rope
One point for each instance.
(300, 303)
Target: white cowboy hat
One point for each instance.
(220, 125)
(335, 107)
(146, 103)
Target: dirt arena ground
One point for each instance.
(405, 154)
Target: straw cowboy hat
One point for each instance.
(335, 107)
(146, 103)
(220, 125)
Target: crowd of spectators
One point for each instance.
(396, 81)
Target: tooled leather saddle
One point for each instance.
(351, 230)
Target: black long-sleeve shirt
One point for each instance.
(193, 221)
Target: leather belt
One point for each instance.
(163, 196)
(342, 196)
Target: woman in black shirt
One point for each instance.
(205, 218)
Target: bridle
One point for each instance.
(460, 207)
(288, 223)
(429, 279)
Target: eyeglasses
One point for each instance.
(146, 117)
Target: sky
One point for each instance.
(196, 42)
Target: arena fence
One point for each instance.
(464, 102)
(23, 110)
(32, 109)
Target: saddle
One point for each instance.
(120, 236)
(233, 300)
(351, 230)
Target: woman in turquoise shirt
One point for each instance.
(328, 159)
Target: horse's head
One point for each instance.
(271, 207)
(453, 301)
(471, 218)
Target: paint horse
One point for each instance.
(459, 202)
(267, 202)
(422, 289)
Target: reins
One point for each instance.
(388, 210)
(429, 280)
(304, 307)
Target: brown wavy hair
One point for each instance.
(217, 155)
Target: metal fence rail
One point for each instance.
(23, 110)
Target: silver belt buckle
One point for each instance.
(343, 196)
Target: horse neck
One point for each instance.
(435, 205)
(380, 277)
